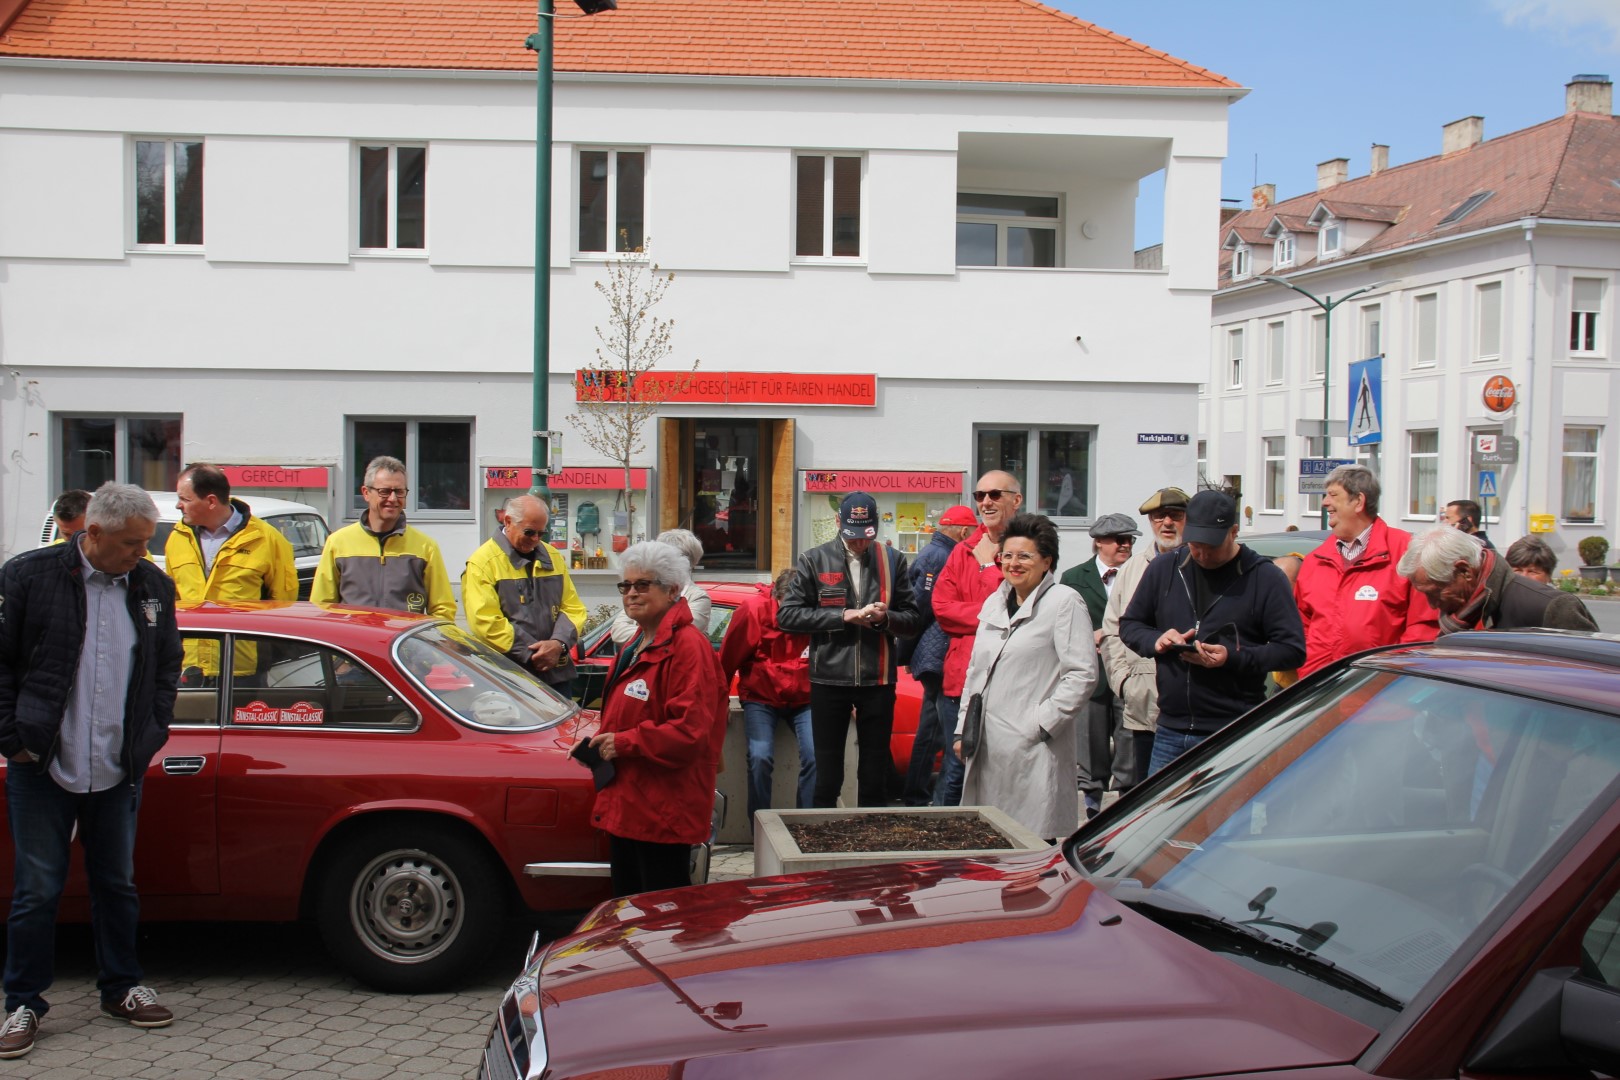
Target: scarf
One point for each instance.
(1468, 616)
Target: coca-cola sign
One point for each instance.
(1500, 393)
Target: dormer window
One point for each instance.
(1242, 262)
(1283, 251)
(1330, 241)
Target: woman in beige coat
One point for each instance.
(1037, 639)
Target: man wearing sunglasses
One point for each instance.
(381, 561)
(519, 597)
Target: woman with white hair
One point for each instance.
(683, 541)
(663, 718)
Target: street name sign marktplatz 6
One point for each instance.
(1313, 473)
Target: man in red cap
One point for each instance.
(924, 655)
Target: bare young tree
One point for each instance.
(621, 395)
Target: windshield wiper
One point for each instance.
(1249, 940)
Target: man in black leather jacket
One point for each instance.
(853, 597)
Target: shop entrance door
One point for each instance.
(728, 476)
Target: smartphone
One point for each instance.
(1182, 646)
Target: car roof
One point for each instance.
(1561, 666)
(261, 505)
(299, 619)
(1272, 545)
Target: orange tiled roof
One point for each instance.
(1568, 168)
(996, 41)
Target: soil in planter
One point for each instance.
(897, 832)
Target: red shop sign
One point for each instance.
(518, 477)
(274, 476)
(841, 481)
(730, 388)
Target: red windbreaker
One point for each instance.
(773, 665)
(668, 716)
(1348, 608)
(960, 591)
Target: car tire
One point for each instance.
(411, 908)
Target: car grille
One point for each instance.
(497, 1062)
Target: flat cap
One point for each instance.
(1163, 499)
(1115, 525)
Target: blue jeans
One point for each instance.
(948, 788)
(1169, 745)
(759, 724)
(42, 817)
(920, 772)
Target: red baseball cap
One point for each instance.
(958, 515)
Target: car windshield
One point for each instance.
(1373, 822)
(306, 533)
(475, 683)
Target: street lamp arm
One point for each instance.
(1306, 293)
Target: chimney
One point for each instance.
(1379, 160)
(1589, 94)
(1462, 134)
(1332, 173)
(1264, 195)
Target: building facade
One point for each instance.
(1489, 274)
(287, 248)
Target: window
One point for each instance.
(1586, 304)
(828, 205)
(1274, 352)
(1319, 346)
(393, 198)
(1580, 475)
(1234, 358)
(168, 193)
(1490, 505)
(1423, 476)
(1006, 230)
(1276, 473)
(437, 456)
(196, 701)
(1425, 318)
(1061, 485)
(1330, 241)
(1202, 464)
(1372, 331)
(301, 686)
(141, 450)
(1282, 252)
(1466, 207)
(612, 200)
(1242, 262)
(1488, 304)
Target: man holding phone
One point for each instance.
(1217, 617)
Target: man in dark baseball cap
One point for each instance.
(858, 516)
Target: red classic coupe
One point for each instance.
(385, 775)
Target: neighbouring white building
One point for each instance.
(902, 238)
(1491, 272)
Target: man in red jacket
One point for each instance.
(1350, 596)
(772, 668)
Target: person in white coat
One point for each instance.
(1034, 664)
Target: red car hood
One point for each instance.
(1016, 967)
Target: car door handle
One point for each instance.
(184, 766)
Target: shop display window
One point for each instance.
(589, 520)
(909, 503)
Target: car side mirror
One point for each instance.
(1561, 1020)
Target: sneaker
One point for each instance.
(139, 1007)
(17, 1033)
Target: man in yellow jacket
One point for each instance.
(221, 552)
(519, 597)
(380, 561)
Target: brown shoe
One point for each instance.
(139, 1007)
(17, 1033)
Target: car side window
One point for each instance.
(196, 702)
(1600, 946)
(303, 685)
(719, 619)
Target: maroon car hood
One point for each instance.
(955, 967)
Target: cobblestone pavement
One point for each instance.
(262, 1002)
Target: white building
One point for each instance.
(288, 246)
(1493, 263)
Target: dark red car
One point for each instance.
(384, 775)
(1406, 866)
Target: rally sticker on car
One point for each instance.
(638, 690)
(257, 712)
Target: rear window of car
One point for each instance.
(476, 684)
(306, 532)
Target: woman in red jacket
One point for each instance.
(663, 718)
(773, 669)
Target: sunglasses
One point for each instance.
(640, 586)
(993, 494)
(530, 534)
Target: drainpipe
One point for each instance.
(1526, 443)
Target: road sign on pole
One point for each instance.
(1313, 473)
(1367, 402)
(1487, 484)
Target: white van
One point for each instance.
(300, 523)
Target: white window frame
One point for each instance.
(1234, 358)
(1276, 351)
(1242, 262)
(1282, 251)
(1481, 291)
(123, 460)
(1427, 302)
(1274, 487)
(1586, 323)
(1415, 459)
(168, 243)
(1330, 239)
(1031, 461)
(391, 212)
(829, 156)
(1595, 455)
(1319, 358)
(611, 182)
(1372, 331)
(1201, 462)
(413, 473)
(1002, 224)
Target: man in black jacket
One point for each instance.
(852, 596)
(89, 662)
(1218, 618)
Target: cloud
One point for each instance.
(1569, 19)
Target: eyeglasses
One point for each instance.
(388, 493)
(993, 494)
(1023, 558)
(1122, 541)
(1173, 515)
(530, 534)
(641, 585)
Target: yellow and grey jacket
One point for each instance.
(401, 570)
(254, 563)
(514, 600)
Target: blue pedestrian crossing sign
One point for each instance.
(1487, 484)
(1367, 402)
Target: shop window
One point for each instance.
(168, 193)
(1275, 354)
(140, 450)
(1586, 307)
(1423, 474)
(725, 507)
(300, 686)
(1488, 311)
(1276, 464)
(612, 200)
(437, 456)
(1052, 465)
(392, 210)
(909, 503)
(827, 202)
(1580, 475)
(1234, 359)
(1007, 229)
(1426, 330)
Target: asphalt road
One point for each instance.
(1606, 612)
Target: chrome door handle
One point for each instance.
(183, 766)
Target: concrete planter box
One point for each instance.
(775, 851)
